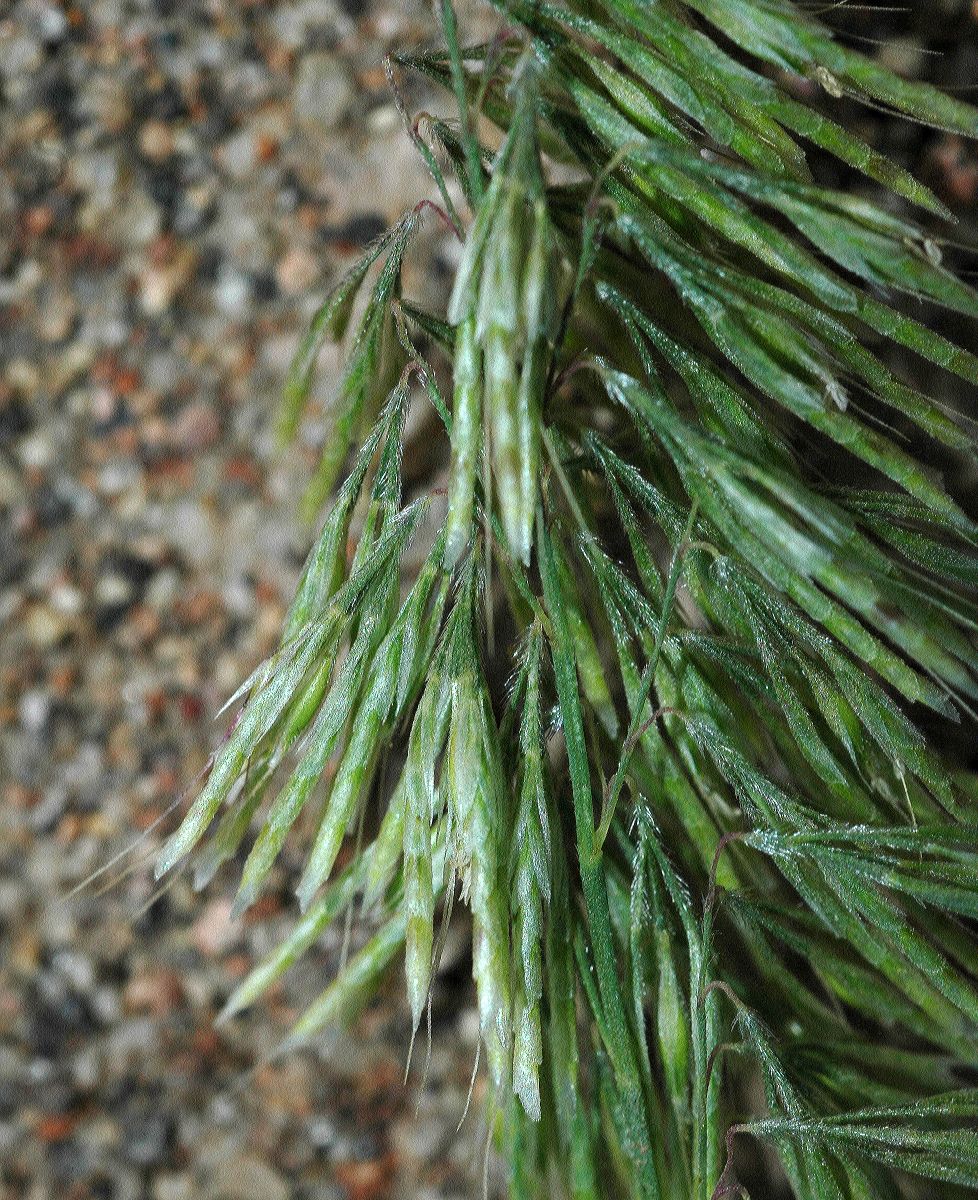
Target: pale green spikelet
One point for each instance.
(358, 761)
(508, 282)
(530, 893)
(466, 440)
(478, 816)
(428, 736)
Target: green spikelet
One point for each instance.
(428, 736)
(466, 440)
(477, 808)
(530, 893)
(504, 301)
(359, 759)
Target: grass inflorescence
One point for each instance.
(691, 525)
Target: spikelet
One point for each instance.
(422, 619)
(672, 1022)
(466, 440)
(386, 851)
(324, 566)
(529, 425)
(477, 810)
(357, 762)
(340, 999)
(498, 308)
(262, 711)
(385, 695)
(502, 419)
(427, 739)
(539, 291)
(322, 740)
(503, 304)
(530, 892)
(575, 1131)
(590, 668)
(236, 820)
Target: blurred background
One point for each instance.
(180, 180)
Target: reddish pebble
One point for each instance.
(366, 1180)
(56, 1127)
(191, 707)
(243, 470)
(38, 220)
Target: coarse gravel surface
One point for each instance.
(180, 183)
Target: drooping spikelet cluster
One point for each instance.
(645, 707)
(504, 308)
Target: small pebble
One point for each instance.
(323, 92)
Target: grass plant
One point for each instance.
(652, 707)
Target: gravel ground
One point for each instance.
(180, 180)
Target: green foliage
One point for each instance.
(703, 841)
